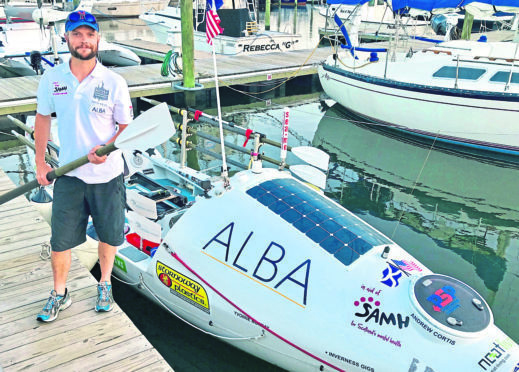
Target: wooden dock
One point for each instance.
(80, 339)
(19, 94)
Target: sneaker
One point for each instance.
(105, 300)
(54, 305)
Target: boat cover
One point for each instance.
(441, 6)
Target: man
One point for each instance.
(93, 106)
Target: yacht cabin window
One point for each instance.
(336, 230)
(503, 76)
(464, 73)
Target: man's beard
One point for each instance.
(76, 54)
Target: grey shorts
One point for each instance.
(75, 200)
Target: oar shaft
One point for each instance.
(29, 130)
(52, 175)
(28, 143)
(105, 150)
(4, 198)
(20, 124)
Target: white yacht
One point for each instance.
(241, 32)
(461, 92)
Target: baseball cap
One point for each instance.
(80, 18)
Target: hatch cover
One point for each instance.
(452, 303)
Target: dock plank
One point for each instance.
(18, 220)
(26, 259)
(136, 362)
(27, 244)
(81, 338)
(118, 352)
(42, 331)
(146, 80)
(13, 213)
(38, 290)
(65, 346)
(21, 318)
(16, 230)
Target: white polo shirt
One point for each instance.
(87, 114)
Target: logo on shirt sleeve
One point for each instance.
(59, 89)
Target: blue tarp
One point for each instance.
(429, 5)
(347, 2)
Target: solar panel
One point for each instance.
(334, 229)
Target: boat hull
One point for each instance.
(469, 118)
(235, 266)
(112, 9)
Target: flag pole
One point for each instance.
(225, 173)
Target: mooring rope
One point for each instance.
(143, 284)
(290, 77)
(416, 182)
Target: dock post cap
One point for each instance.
(197, 86)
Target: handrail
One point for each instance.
(498, 58)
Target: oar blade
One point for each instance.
(309, 174)
(141, 204)
(149, 129)
(312, 156)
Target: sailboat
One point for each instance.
(459, 92)
(17, 11)
(241, 31)
(126, 8)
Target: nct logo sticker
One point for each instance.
(497, 355)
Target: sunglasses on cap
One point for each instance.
(80, 18)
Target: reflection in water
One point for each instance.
(465, 206)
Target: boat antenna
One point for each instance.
(507, 86)
(216, 26)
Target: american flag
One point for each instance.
(212, 25)
(407, 265)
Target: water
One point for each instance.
(456, 214)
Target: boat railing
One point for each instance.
(252, 28)
(251, 8)
(490, 58)
(436, 51)
(200, 10)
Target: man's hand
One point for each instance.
(93, 158)
(41, 173)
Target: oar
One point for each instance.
(149, 129)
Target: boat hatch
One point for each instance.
(504, 76)
(463, 73)
(452, 303)
(133, 254)
(158, 193)
(333, 228)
